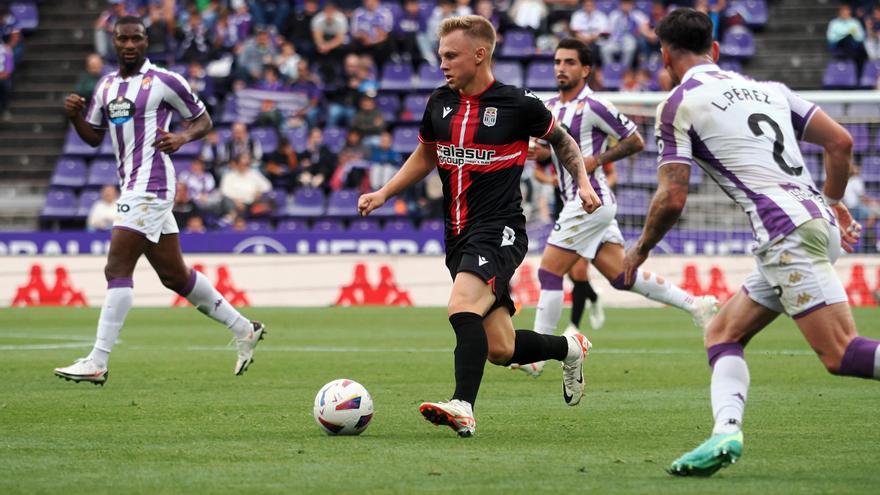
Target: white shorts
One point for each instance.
(795, 276)
(582, 232)
(145, 214)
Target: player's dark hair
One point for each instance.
(584, 55)
(686, 29)
(129, 19)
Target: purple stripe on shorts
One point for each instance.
(185, 96)
(859, 358)
(603, 113)
(774, 218)
(809, 310)
(120, 138)
(667, 131)
(548, 280)
(140, 138)
(190, 284)
(117, 283)
(718, 351)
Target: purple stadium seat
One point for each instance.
(385, 211)
(278, 199)
(753, 12)
(229, 112)
(258, 226)
(861, 137)
(606, 6)
(86, 199)
(389, 105)
(644, 172)
(181, 165)
(342, 203)
(738, 43)
(401, 227)
(298, 137)
(870, 73)
(106, 147)
(871, 169)
(632, 202)
(334, 138)
(432, 225)
(612, 75)
(190, 149)
(306, 202)
(292, 226)
(405, 139)
(414, 107)
(518, 44)
(73, 145)
(364, 226)
(644, 6)
(813, 163)
(327, 227)
(26, 14)
(429, 77)
(509, 72)
(396, 77)
(60, 203)
(540, 76)
(267, 137)
(69, 172)
(840, 74)
(102, 172)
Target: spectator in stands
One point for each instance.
(330, 33)
(241, 22)
(627, 25)
(104, 26)
(370, 26)
(384, 161)
(201, 84)
(282, 166)
(160, 30)
(309, 96)
(195, 225)
(872, 28)
(183, 205)
(846, 37)
(7, 67)
(528, 14)
(243, 187)
(201, 188)
(241, 144)
(288, 62)
(256, 53)
(316, 161)
(651, 42)
(412, 43)
(214, 154)
(430, 203)
(368, 82)
(368, 121)
(863, 208)
(343, 100)
(486, 8)
(11, 32)
(444, 10)
(299, 28)
(560, 11)
(351, 171)
(269, 12)
(591, 26)
(269, 80)
(103, 211)
(192, 40)
(270, 116)
(88, 79)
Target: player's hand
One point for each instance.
(850, 230)
(589, 199)
(168, 142)
(538, 152)
(74, 105)
(369, 202)
(631, 263)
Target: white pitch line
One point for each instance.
(43, 347)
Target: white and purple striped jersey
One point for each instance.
(744, 134)
(590, 122)
(133, 110)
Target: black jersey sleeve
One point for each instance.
(536, 117)
(426, 129)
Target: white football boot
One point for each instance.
(534, 370)
(573, 367)
(597, 313)
(246, 346)
(704, 309)
(84, 370)
(456, 414)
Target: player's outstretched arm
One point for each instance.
(570, 157)
(665, 209)
(74, 105)
(415, 168)
(627, 146)
(169, 142)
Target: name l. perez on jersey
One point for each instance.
(455, 155)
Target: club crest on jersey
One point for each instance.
(147, 82)
(490, 116)
(120, 110)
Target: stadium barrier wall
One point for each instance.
(314, 280)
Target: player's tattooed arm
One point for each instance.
(666, 206)
(566, 149)
(627, 146)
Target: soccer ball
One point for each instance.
(343, 407)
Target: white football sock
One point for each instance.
(548, 311)
(647, 284)
(210, 302)
(117, 302)
(730, 388)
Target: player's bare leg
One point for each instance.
(831, 332)
(167, 259)
(126, 247)
(609, 262)
(737, 322)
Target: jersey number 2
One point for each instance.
(778, 141)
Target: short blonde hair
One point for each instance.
(475, 26)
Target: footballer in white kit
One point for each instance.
(134, 105)
(744, 134)
(594, 236)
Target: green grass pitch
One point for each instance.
(173, 419)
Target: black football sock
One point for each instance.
(531, 347)
(579, 294)
(471, 350)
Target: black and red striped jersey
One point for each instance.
(481, 143)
